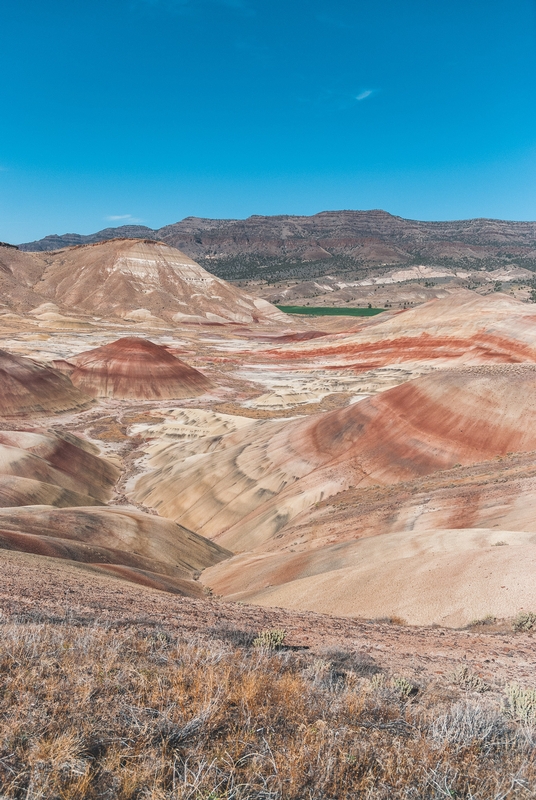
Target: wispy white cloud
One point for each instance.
(364, 94)
(125, 217)
(333, 21)
(191, 7)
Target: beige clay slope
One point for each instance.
(41, 469)
(42, 466)
(29, 388)
(19, 272)
(142, 280)
(447, 577)
(135, 368)
(244, 488)
(464, 328)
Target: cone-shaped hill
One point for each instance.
(135, 368)
(30, 388)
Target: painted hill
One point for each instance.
(463, 327)
(253, 482)
(136, 368)
(137, 280)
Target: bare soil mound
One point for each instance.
(463, 327)
(134, 368)
(135, 546)
(29, 388)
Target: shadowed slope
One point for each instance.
(133, 545)
(143, 536)
(253, 482)
(138, 369)
(500, 493)
(44, 467)
(29, 388)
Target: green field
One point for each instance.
(338, 311)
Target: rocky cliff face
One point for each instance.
(332, 241)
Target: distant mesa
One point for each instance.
(233, 247)
(135, 368)
(31, 388)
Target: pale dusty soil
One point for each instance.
(44, 589)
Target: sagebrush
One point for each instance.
(138, 714)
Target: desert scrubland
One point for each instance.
(254, 555)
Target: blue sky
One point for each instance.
(153, 110)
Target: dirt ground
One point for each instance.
(46, 589)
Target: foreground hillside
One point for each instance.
(128, 693)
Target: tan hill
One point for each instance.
(29, 388)
(138, 369)
(18, 274)
(39, 466)
(140, 281)
(144, 280)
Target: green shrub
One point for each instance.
(270, 640)
(520, 703)
(525, 621)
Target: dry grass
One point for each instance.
(133, 712)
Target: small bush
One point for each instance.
(489, 619)
(466, 723)
(233, 636)
(465, 679)
(270, 640)
(397, 684)
(525, 621)
(520, 703)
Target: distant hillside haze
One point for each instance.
(328, 242)
(57, 242)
